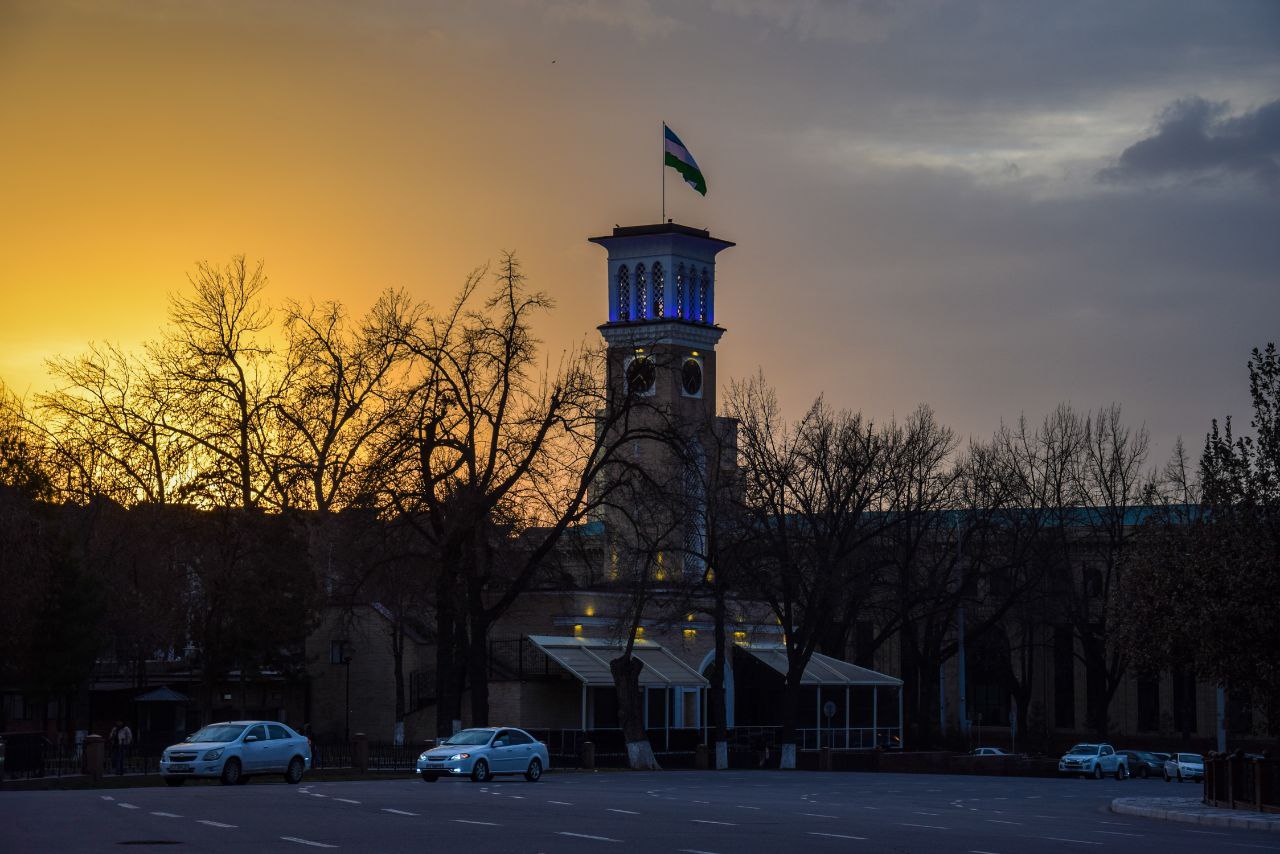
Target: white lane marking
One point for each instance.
(307, 842)
(1001, 821)
(977, 851)
(467, 821)
(1118, 833)
(317, 795)
(1205, 832)
(871, 808)
(698, 802)
(694, 851)
(517, 797)
(126, 806)
(214, 823)
(819, 815)
(586, 836)
(106, 797)
(709, 821)
(918, 812)
(926, 826)
(837, 835)
(741, 807)
(1077, 841)
(346, 800)
(166, 814)
(561, 803)
(626, 812)
(398, 812)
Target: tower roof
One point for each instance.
(660, 229)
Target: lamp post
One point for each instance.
(346, 726)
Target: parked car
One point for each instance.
(1184, 766)
(483, 752)
(989, 751)
(235, 751)
(1144, 763)
(1094, 760)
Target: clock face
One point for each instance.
(691, 377)
(640, 375)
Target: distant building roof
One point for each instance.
(821, 670)
(588, 660)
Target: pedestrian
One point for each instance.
(119, 739)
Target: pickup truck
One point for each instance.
(1094, 760)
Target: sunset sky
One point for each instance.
(989, 207)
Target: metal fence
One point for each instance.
(1241, 782)
(28, 762)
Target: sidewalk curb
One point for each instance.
(1194, 812)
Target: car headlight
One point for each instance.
(455, 757)
(213, 754)
(423, 755)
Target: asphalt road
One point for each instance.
(672, 812)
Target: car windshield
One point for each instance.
(1190, 757)
(1084, 748)
(217, 732)
(470, 736)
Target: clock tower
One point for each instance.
(661, 338)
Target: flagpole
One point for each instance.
(664, 173)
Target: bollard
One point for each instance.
(94, 748)
(360, 752)
(702, 759)
(824, 759)
(588, 755)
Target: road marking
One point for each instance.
(819, 815)
(698, 802)
(1001, 821)
(317, 795)
(1118, 833)
(517, 797)
(166, 814)
(918, 812)
(307, 842)
(976, 851)
(214, 823)
(561, 803)
(741, 807)
(694, 851)
(838, 835)
(126, 806)
(398, 812)
(1077, 841)
(709, 821)
(346, 800)
(586, 836)
(926, 826)
(467, 821)
(1206, 832)
(626, 812)
(106, 797)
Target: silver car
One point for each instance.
(237, 750)
(483, 752)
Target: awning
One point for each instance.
(162, 694)
(822, 669)
(588, 660)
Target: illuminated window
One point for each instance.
(642, 293)
(624, 293)
(659, 285)
(702, 295)
(690, 634)
(739, 637)
(577, 630)
(680, 291)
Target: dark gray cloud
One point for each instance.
(1196, 138)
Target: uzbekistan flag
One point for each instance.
(678, 158)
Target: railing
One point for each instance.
(1240, 782)
(520, 659)
(27, 762)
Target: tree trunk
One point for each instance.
(626, 678)
(790, 713)
(478, 670)
(448, 696)
(397, 656)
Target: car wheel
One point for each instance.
(1120, 772)
(1097, 772)
(231, 775)
(1143, 772)
(1179, 775)
(429, 778)
(1167, 778)
(174, 781)
(294, 774)
(480, 772)
(534, 774)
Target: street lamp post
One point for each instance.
(346, 727)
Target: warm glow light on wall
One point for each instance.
(591, 610)
(577, 630)
(690, 634)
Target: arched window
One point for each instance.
(680, 291)
(659, 286)
(624, 293)
(642, 293)
(703, 286)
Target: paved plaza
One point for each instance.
(676, 812)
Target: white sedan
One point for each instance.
(482, 752)
(237, 750)
(1184, 766)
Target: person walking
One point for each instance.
(119, 739)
